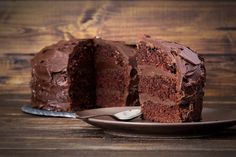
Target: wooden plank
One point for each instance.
(118, 144)
(18, 125)
(206, 26)
(77, 131)
(113, 153)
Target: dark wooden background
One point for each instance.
(209, 27)
(206, 26)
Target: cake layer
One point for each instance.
(114, 79)
(161, 113)
(159, 86)
(149, 70)
(108, 98)
(147, 97)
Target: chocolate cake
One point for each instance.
(166, 78)
(84, 74)
(171, 81)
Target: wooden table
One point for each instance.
(26, 27)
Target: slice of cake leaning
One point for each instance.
(171, 81)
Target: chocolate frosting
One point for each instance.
(49, 76)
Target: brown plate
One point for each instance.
(213, 120)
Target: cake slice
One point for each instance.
(171, 81)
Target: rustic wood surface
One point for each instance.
(206, 26)
(26, 27)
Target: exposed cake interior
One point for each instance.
(102, 74)
(82, 76)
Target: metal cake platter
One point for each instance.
(213, 121)
(46, 113)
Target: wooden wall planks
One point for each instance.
(206, 26)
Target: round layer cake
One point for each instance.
(166, 78)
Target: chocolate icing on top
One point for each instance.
(52, 58)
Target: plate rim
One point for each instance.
(147, 123)
(161, 124)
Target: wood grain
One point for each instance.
(206, 26)
(114, 153)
